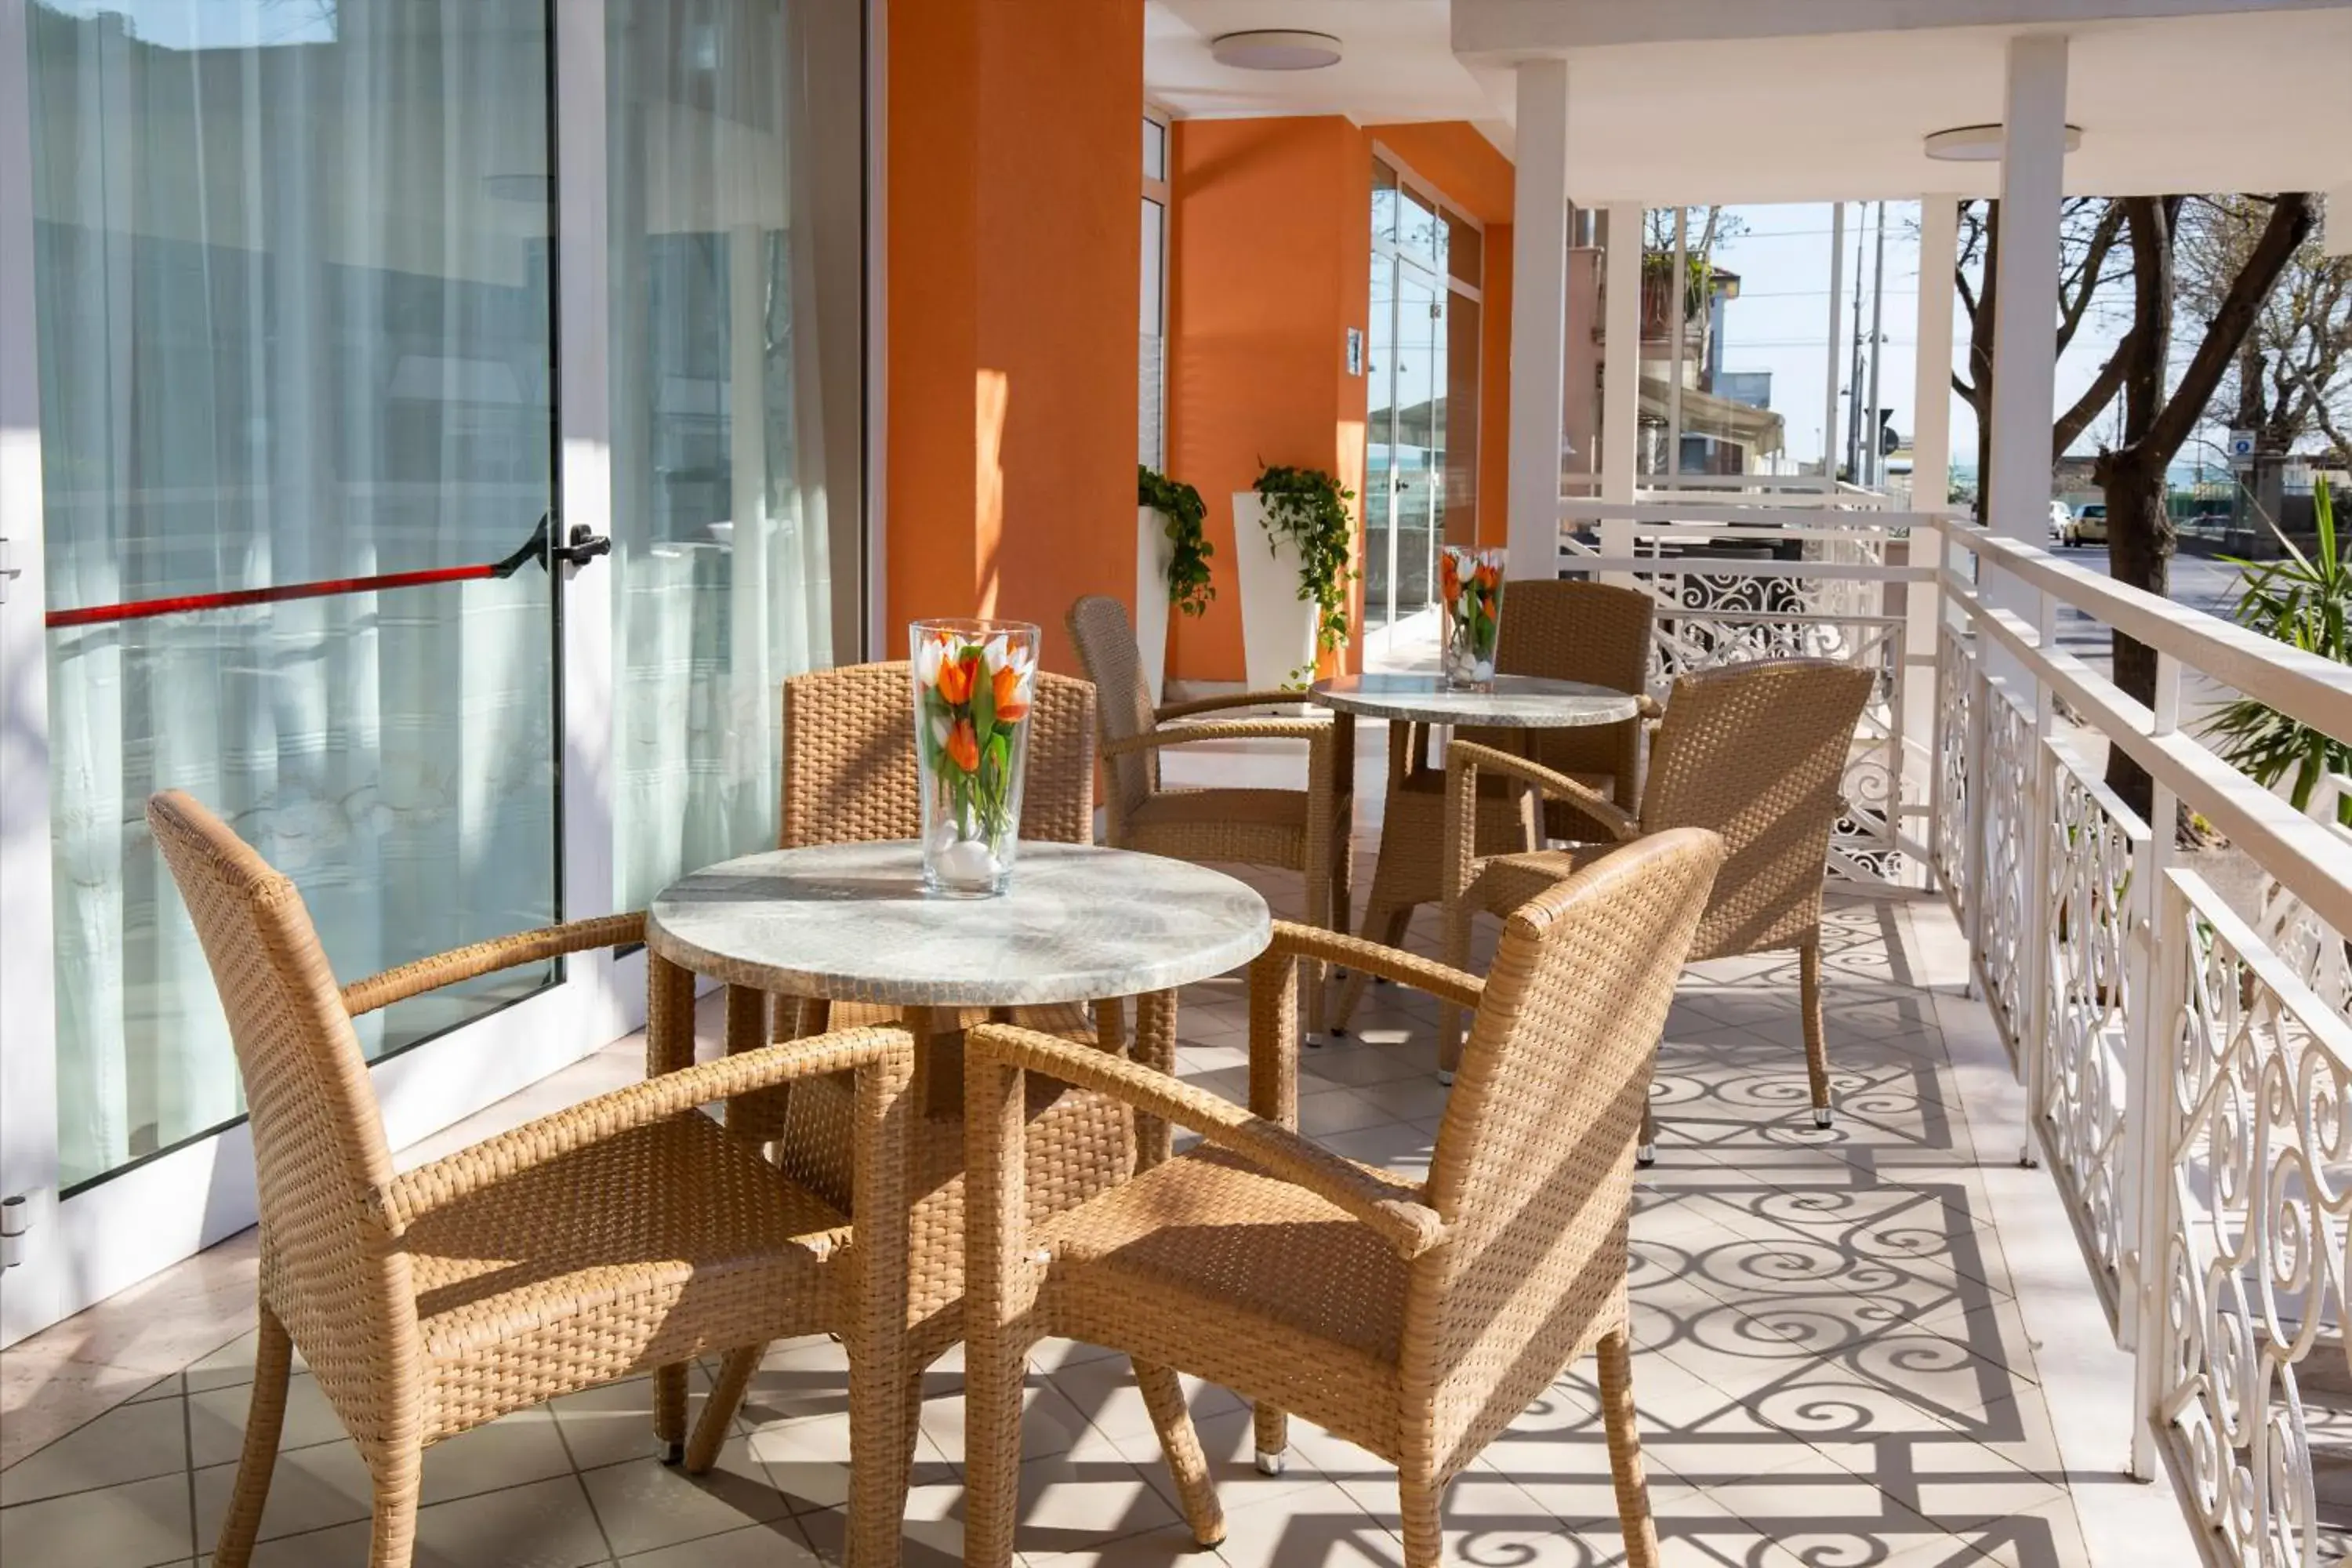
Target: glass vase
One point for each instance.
(1470, 593)
(974, 682)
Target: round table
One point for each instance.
(852, 923)
(1409, 872)
(1516, 703)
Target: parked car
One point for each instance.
(2061, 522)
(2089, 524)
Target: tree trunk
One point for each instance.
(2140, 553)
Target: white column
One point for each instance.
(1931, 397)
(2024, 330)
(1931, 478)
(1621, 365)
(2016, 502)
(1538, 318)
(2336, 222)
(1835, 374)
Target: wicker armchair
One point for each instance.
(1757, 752)
(626, 1233)
(1563, 631)
(1304, 831)
(1417, 1321)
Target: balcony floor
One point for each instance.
(1871, 1345)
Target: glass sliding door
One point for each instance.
(722, 496)
(292, 277)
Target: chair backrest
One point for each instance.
(1533, 1168)
(1107, 647)
(330, 1268)
(849, 758)
(1755, 752)
(1593, 632)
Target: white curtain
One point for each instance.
(718, 486)
(293, 298)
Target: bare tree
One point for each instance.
(2157, 426)
(2091, 265)
(2291, 378)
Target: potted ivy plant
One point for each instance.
(1294, 590)
(1171, 565)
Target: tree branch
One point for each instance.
(2290, 223)
(2095, 397)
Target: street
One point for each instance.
(2198, 583)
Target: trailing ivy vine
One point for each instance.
(1307, 507)
(1189, 588)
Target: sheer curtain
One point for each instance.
(719, 481)
(293, 301)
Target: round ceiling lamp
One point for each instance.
(1980, 143)
(1271, 49)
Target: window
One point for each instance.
(1152, 413)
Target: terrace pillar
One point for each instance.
(1538, 318)
(1931, 476)
(2014, 500)
(1621, 381)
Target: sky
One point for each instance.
(1780, 322)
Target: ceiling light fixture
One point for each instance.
(1980, 143)
(1275, 51)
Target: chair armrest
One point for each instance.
(488, 957)
(1446, 983)
(1231, 700)
(415, 1193)
(1469, 757)
(1308, 729)
(1393, 1208)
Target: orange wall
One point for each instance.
(1013, 270)
(1269, 266)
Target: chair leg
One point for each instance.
(1273, 1439)
(993, 1379)
(1163, 1395)
(1817, 1052)
(1420, 1498)
(1617, 1416)
(710, 1432)
(1385, 921)
(392, 1537)
(265, 1418)
(1645, 1147)
(670, 1411)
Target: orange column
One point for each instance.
(1270, 264)
(1012, 256)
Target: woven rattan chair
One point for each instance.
(1304, 831)
(1416, 1320)
(626, 1233)
(1563, 631)
(1755, 751)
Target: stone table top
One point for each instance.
(851, 923)
(1518, 701)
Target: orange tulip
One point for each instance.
(1012, 705)
(1449, 575)
(956, 680)
(1488, 575)
(964, 746)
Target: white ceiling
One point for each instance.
(1397, 64)
(2248, 100)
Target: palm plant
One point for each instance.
(2305, 602)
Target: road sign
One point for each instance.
(2241, 448)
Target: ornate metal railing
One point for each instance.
(2188, 1063)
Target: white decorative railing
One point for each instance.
(2188, 1063)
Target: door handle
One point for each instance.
(584, 546)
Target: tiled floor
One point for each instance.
(1834, 1364)
(1832, 1369)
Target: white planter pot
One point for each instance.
(1154, 554)
(1277, 626)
